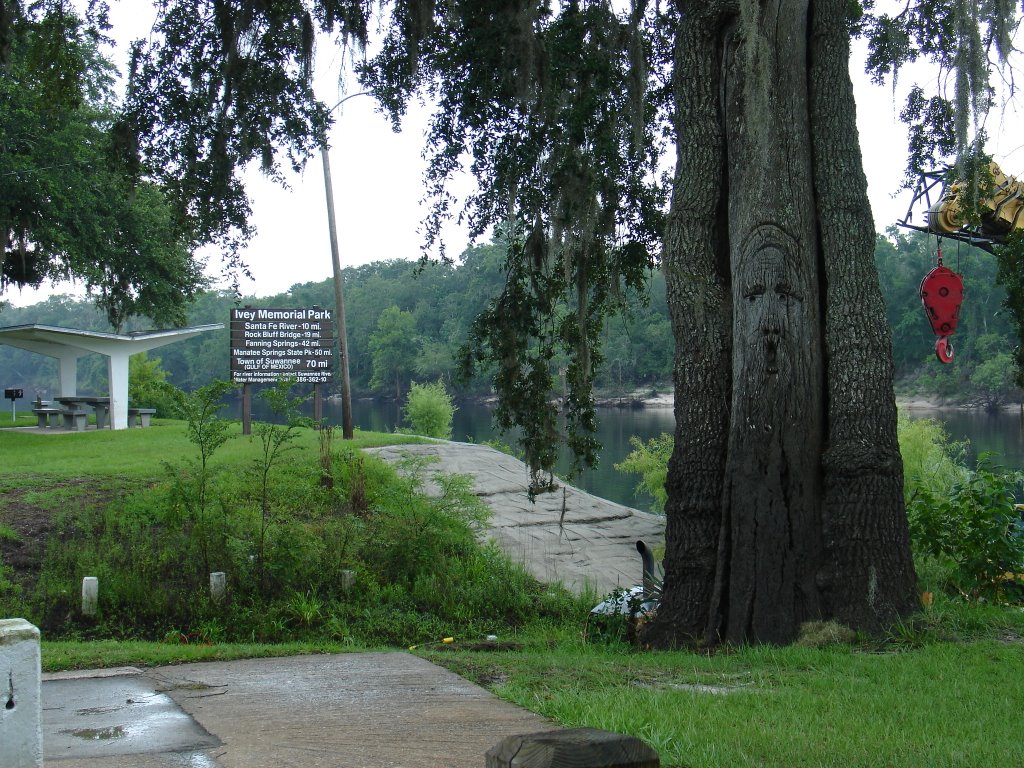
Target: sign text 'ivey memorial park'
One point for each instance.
(272, 344)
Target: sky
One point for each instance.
(377, 178)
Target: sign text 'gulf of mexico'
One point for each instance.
(272, 344)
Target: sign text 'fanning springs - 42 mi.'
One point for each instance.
(272, 344)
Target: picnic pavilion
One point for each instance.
(68, 344)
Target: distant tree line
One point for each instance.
(408, 321)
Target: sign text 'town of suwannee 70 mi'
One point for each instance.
(272, 344)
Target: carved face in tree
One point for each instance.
(770, 320)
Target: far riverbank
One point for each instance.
(648, 417)
(641, 399)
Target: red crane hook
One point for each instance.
(942, 293)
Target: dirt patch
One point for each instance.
(29, 517)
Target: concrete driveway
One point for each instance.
(359, 710)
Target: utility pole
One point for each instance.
(339, 303)
(339, 290)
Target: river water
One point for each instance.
(999, 433)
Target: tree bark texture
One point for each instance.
(785, 488)
(870, 574)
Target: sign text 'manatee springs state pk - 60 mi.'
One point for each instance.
(272, 344)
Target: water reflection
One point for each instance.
(999, 433)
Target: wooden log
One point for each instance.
(572, 748)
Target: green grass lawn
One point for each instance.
(139, 453)
(59, 655)
(23, 417)
(946, 704)
(943, 689)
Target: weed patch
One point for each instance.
(366, 559)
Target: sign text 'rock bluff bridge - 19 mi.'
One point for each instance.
(268, 345)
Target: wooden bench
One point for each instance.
(140, 416)
(48, 416)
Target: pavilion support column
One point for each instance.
(117, 376)
(68, 375)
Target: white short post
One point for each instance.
(21, 701)
(218, 585)
(90, 595)
(348, 580)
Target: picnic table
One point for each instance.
(75, 415)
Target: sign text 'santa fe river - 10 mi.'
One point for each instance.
(272, 344)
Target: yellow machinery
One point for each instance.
(1001, 211)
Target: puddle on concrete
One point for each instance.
(97, 710)
(100, 717)
(195, 760)
(98, 734)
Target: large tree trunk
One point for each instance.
(785, 495)
(869, 576)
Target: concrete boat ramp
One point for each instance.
(360, 710)
(567, 535)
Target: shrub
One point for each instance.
(148, 386)
(650, 461)
(931, 461)
(429, 410)
(974, 530)
(275, 440)
(502, 447)
(191, 481)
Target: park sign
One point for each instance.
(272, 344)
